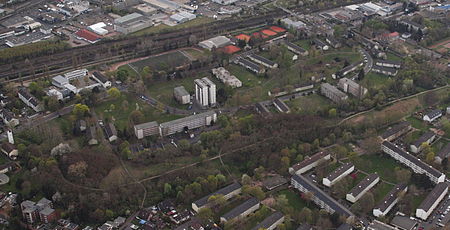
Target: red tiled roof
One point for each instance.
(268, 32)
(244, 37)
(231, 49)
(277, 29)
(88, 35)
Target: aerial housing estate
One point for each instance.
(227, 192)
(225, 76)
(333, 93)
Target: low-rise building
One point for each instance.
(182, 17)
(242, 210)
(365, 185)
(227, 192)
(146, 129)
(271, 222)
(9, 150)
(79, 73)
(431, 201)
(60, 81)
(319, 197)
(384, 70)
(338, 174)
(281, 106)
(404, 222)
(9, 118)
(296, 49)
(333, 93)
(101, 79)
(442, 154)
(263, 61)
(427, 137)
(249, 65)
(412, 162)
(396, 131)
(181, 95)
(349, 86)
(188, 123)
(333, 42)
(383, 208)
(296, 25)
(42, 210)
(320, 44)
(388, 63)
(224, 2)
(215, 42)
(29, 99)
(432, 115)
(348, 69)
(111, 132)
(92, 135)
(226, 77)
(309, 163)
(131, 23)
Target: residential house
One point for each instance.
(333, 42)
(432, 115)
(281, 106)
(309, 163)
(9, 118)
(383, 208)
(227, 192)
(263, 61)
(338, 174)
(388, 63)
(333, 93)
(242, 210)
(92, 135)
(396, 131)
(111, 132)
(249, 65)
(384, 70)
(350, 86)
(296, 49)
(101, 79)
(10, 150)
(365, 185)
(29, 99)
(271, 222)
(427, 137)
(442, 154)
(181, 95)
(146, 129)
(8, 167)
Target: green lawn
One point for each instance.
(383, 165)
(165, 61)
(376, 81)
(418, 124)
(416, 202)
(295, 201)
(165, 28)
(123, 106)
(309, 104)
(393, 57)
(248, 79)
(306, 44)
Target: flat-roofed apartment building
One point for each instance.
(412, 162)
(205, 92)
(241, 210)
(431, 201)
(384, 70)
(227, 192)
(226, 77)
(309, 163)
(319, 197)
(146, 129)
(188, 123)
(263, 61)
(181, 95)
(131, 23)
(383, 208)
(388, 63)
(349, 86)
(427, 137)
(442, 154)
(332, 93)
(271, 222)
(249, 65)
(396, 131)
(363, 186)
(338, 174)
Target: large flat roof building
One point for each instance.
(146, 129)
(205, 92)
(227, 192)
(333, 93)
(338, 174)
(215, 42)
(427, 137)
(226, 77)
(131, 23)
(412, 162)
(362, 187)
(350, 86)
(431, 202)
(271, 222)
(263, 61)
(309, 163)
(181, 95)
(383, 208)
(188, 123)
(319, 197)
(396, 131)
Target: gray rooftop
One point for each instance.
(269, 221)
(47, 211)
(339, 171)
(309, 160)
(385, 69)
(391, 197)
(362, 185)
(127, 18)
(295, 47)
(180, 90)
(444, 152)
(395, 129)
(224, 191)
(404, 222)
(241, 208)
(434, 113)
(392, 62)
(333, 90)
(185, 119)
(412, 159)
(262, 59)
(321, 195)
(433, 196)
(425, 137)
(147, 125)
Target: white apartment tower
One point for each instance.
(205, 92)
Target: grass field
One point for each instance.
(376, 81)
(164, 61)
(248, 79)
(123, 106)
(416, 123)
(383, 165)
(380, 191)
(309, 104)
(295, 201)
(166, 28)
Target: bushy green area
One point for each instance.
(162, 62)
(309, 104)
(295, 201)
(165, 28)
(381, 164)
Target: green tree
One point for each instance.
(167, 189)
(205, 214)
(114, 92)
(332, 112)
(122, 75)
(430, 157)
(80, 110)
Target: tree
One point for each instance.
(254, 191)
(205, 214)
(430, 157)
(306, 215)
(114, 92)
(122, 75)
(402, 175)
(52, 103)
(136, 117)
(367, 202)
(246, 179)
(80, 110)
(167, 189)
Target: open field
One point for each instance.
(442, 46)
(295, 201)
(383, 165)
(380, 191)
(161, 62)
(376, 81)
(309, 104)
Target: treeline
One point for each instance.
(31, 50)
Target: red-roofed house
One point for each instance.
(268, 32)
(277, 29)
(87, 36)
